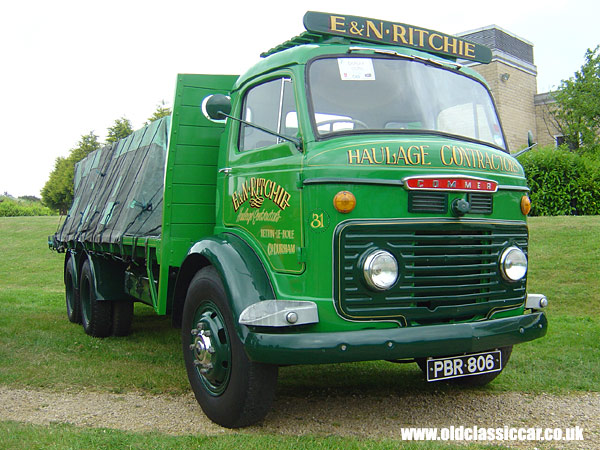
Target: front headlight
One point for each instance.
(380, 269)
(513, 264)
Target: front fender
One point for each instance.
(243, 274)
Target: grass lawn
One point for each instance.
(39, 347)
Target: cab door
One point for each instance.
(262, 196)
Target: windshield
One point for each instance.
(358, 94)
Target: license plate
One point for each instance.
(463, 366)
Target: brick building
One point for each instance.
(512, 77)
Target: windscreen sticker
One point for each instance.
(356, 69)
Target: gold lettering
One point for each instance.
(422, 34)
(382, 156)
(398, 33)
(472, 156)
(284, 200)
(355, 30)
(274, 193)
(387, 157)
(455, 151)
(464, 156)
(423, 155)
(402, 155)
(414, 151)
(432, 45)
(494, 166)
(411, 36)
(337, 21)
(480, 163)
(351, 156)
(447, 45)
(469, 50)
(443, 158)
(365, 154)
(377, 32)
(261, 185)
(268, 184)
(236, 202)
(488, 161)
(244, 195)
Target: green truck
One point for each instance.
(350, 197)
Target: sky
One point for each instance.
(71, 67)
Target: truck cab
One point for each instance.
(373, 183)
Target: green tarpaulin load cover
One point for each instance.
(118, 189)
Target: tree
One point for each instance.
(121, 129)
(577, 111)
(57, 193)
(162, 110)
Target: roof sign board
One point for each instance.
(383, 32)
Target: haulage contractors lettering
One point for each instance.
(252, 216)
(413, 156)
(256, 190)
(467, 157)
(450, 155)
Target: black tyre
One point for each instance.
(96, 316)
(232, 390)
(122, 316)
(72, 294)
(474, 380)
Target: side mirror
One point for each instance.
(216, 107)
(530, 145)
(530, 141)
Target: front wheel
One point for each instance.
(232, 390)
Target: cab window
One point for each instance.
(272, 106)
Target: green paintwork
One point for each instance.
(448, 270)
(214, 366)
(396, 343)
(265, 219)
(190, 174)
(244, 277)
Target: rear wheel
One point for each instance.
(72, 294)
(473, 380)
(232, 390)
(96, 315)
(122, 316)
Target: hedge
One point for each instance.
(10, 207)
(562, 182)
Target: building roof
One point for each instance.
(497, 38)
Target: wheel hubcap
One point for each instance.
(210, 349)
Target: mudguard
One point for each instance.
(71, 261)
(109, 278)
(242, 272)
